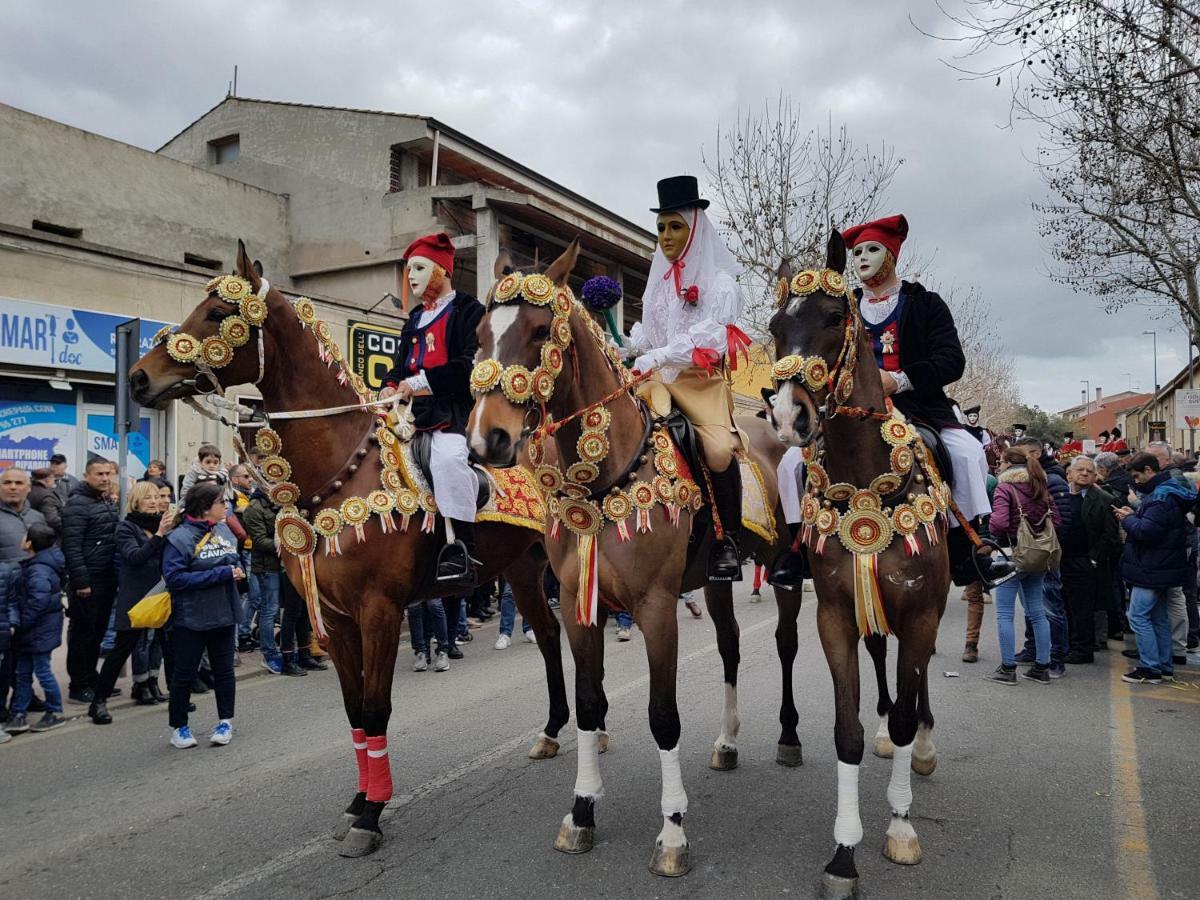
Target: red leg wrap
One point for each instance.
(359, 738)
(379, 783)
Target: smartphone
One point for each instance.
(170, 513)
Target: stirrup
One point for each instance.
(788, 572)
(456, 565)
(993, 571)
(718, 550)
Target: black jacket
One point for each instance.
(89, 527)
(139, 557)
(1103, 532)
(47, 501)
(449, 375)
(931, 355)
(1118, 483)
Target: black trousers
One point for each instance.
(1084, 598)
(296, 630)
(111, 670)
(88, 622)
(187, 648)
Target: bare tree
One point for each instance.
(989, 379)
(779, 184)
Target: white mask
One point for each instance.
(870, 259)
(421, 273)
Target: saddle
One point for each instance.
(421, 445)
(683, 433)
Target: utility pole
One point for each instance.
(1154, 336)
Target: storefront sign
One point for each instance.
(59, 337)
(30, 433)
(1187, 408)
(1158, 429)
(102, 441)
(373, 351)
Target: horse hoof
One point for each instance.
(924, 766)
(574, 839)
(670, 862)
(602, 742)
(884, 747)
(342, 828)
(724, 759)
(835, 887)
(360, 842)
(544, 748)
(790, 755)
(903, 850)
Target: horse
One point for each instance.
(546, 378)
(326, 455)
(867, 501)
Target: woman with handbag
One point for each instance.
(202, 568)
(139, 540)
(1025, 517)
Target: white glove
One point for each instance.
(647, 361)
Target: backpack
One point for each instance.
(1037, 550)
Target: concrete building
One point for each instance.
(1101, 413)
(1162, 416)
(93, 232)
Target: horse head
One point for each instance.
(813, 338)
(523, 339)
(218, 345)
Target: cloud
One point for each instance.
(607, 97)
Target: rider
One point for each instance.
(436, 352)
(918, 352)
(979, 432)
(691, 304)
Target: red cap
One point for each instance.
(436, 247)
(890, 231)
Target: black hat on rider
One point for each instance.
(679, 192)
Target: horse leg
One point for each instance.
(345, 649)
(839, 639)
(526, 582)
(379, 623)
(916, 645)
(789, 752)
(602, 698)
(577, 833)
(718, 597)
(877, 647)
(660, 629)
(924, 759)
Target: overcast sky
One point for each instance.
(608, 97)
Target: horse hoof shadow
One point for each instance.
(360, 842)
(790, 755)
(670, 862)
(724, 759)
(544, 748)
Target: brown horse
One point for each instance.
(533, 331)
(363, 591)
(821, 329)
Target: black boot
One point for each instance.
(141, 694)
(456, 563)
(98, 713)
(155, 694)
(724, 559)
(310, 662)
(289, 666)
(791, 566)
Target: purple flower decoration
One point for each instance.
(601, 293)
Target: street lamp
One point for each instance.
(1087, 396)
(1154, 335)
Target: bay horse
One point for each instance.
(629, 502)
(830, 388)
(331, 452)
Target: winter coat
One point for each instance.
(1119, 483)
(64, 486)
(13, 525)
(10, 607)
(198, 473)
(47, 501)
(1014, 495)
(89, 524)
(203, 593)
(260, 525)
(1100, 525)
(41, 610)
(1155, 554)
(139, 567)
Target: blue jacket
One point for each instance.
(42, 579)
(200, 578)
(1155, 554)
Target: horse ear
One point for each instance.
(561, 268)
(246, 268)
(503, 265)
(258, 267)
(785, 271)
(835, 252)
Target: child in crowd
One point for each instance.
(40, 611)
(207, 467)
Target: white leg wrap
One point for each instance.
(847, 827)
(674, 798)
(671, 835)
(923, 746)
(730, 723)
(899, 790)
(587, 777)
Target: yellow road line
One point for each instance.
(1134, 867)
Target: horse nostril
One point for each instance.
(499, 445)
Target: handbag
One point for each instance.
(153, 610)
(1037, 550)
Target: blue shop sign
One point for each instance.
(59, 337)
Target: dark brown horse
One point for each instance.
(821, 328)
(363, 591)
(639, 568)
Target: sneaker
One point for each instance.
(624, 634)
(530, 637)
(1025, 657)
(181, 738)
(1057, 670)
(81, 698)
(552, 603)
(1142, 675)
(441, 662)
(1004, 675)
(756, 596)
(47, 721)
(453, 652)
(420, 664)
(693, 607)
(1039, 674)
(222, 734)
(273, 664)
(18, 723)
(5, 737)
(503, 642)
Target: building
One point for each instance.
(1162, 417)
(94, 232)
(1102, 413)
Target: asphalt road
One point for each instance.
(1084, 789)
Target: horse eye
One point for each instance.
(541, 333)
(216, 315)
(833, 320)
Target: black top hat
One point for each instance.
(679, 192)
(1102, 434)
(971, 410)
(1068, 435)
(1017, 426)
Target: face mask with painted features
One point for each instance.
(426, 279)
(873, 263)
(972, 419)
(673, 234)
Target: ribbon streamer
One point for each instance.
(868, 603)
(737, 341)
(588, 597)
(308, 579)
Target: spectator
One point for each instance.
(156, 474)
(1023, 493)
(43, 573)
(89, 526)
(1113, 476)
(1153, 562)
(140, 538)
(241, 486)
(1177, 596)
(508, 618)
(426, 621)
(16, 517)
(9, 619)
(259, 519)
(1117, 481)
(207, 467)
(201, 567)
(1116, 444)
(295, 632)
(64, 482)
(624, 620)
(45, 499)
(1089, 542)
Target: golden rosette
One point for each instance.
(548, 478)
(562, 302)
(642, 495)
(486, 375)
(685, 494)
(355, 510)
(597, 419)
(810, 454)
(817, 478)
(939, 497)
(328, 523)
(183, 347)
(233, 288)
(212, 284)
(809, 509)
(664, 489)
(582, 473)
(552, 359)
(235, 330)
(864, 499)
(781, 291)
(661, 442)
(305, 311)
(161, 335)
(380, 502)
(926, 509)
(427, 502)
(805, 282)
(390, 457)
(787, 368)
(887, 483)
(406, 502)
(560, 332)
(321, 330)
(537, 289)
(358, 383)
(896, 432)
(386, 437)
(508, 287)
(517, 384)
(816, 373)
(268, 441)
(581, 516)
(537, 452)
(845, 387)
(574, 491)
(216, 351)
(543, 384)
(832, 283)
(284, 494)
(666, 464)
(617, 506)
(828, 521)
(840, 492)
(392, 481)
(905, 520)
(296, 535)
(276, 468)
(254, 310)
(552, 507)
(902, 460)
(865, 531)
(592, 446)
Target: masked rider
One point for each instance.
(436, 352)
(918, 352)
(979, 432)
(691, 303)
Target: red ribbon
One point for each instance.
(706, 359)
(736, 341)
(884, 299)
